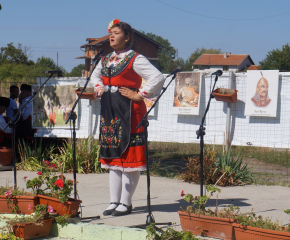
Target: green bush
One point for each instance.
(239, 172)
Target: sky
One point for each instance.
(253, 27)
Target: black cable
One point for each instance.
(226, 19)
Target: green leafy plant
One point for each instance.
(32, 156)
(8, 236)
(288, 212)
(239, 173)
(154, 233)
(62, 220)
(199, 202)
(59, 186)
(251, 219)
(42, 212)
(87, 157)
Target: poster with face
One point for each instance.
(262, 93)
(52, 105)
(186, 93)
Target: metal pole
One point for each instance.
(229, 112)
(90, 129)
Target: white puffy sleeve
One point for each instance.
(152, 75)
(96, 78)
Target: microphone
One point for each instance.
(53, 72)
(218, 73)
(98, 55)
(59, 72)
(178, 69)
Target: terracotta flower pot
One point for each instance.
(253, 233)
(69, 208)
(92, 95)
(207, 226)
(32, 230)
(22, 202)
(225, 95)
(6, 156)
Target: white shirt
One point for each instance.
(143, 68)
(3, 124)
(27, 111)
(11, 108)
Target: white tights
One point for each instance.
(122, 188)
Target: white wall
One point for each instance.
(166, 127)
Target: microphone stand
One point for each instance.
(144, 123)
(200, 133)
(12, 124)
(72, 116)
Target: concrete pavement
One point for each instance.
(93, 190)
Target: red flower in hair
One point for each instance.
(116, 21)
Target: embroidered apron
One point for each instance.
(115, 124)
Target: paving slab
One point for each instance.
(93, 190)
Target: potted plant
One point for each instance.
(17, 201)
(59, 189)
(250, 226)
(89, 93)
(33, 226)
(225, 95)
(206, 222)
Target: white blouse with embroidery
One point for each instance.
(142, 67)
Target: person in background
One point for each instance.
(12, 109)
(24, 128)
(4, 103)
(117, 80)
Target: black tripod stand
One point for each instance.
(72, 116)
(144, 123)
(12, 124)
(201, 131)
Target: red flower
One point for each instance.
(182, 193)
(46, 162)
(196, 197)
(116, 118)
(108, 139)
(111, 130)
(104, 129)
(115, 21)
(53, 166)
(39, 173)
(59, 183)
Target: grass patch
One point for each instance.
(269, 179)
(169, 160)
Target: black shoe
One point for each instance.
(109, 211)
(122, 213)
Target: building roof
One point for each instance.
(254, 67)
(220, 59)
(100, 41)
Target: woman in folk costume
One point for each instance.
(117, 79)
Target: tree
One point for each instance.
(77, 71)
(277, 59)
(166, 55)
(196, 54)
(46, 62)
(11, 54)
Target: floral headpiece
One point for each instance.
(115, 21)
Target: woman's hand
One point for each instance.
(126, 92)
(100, 92)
